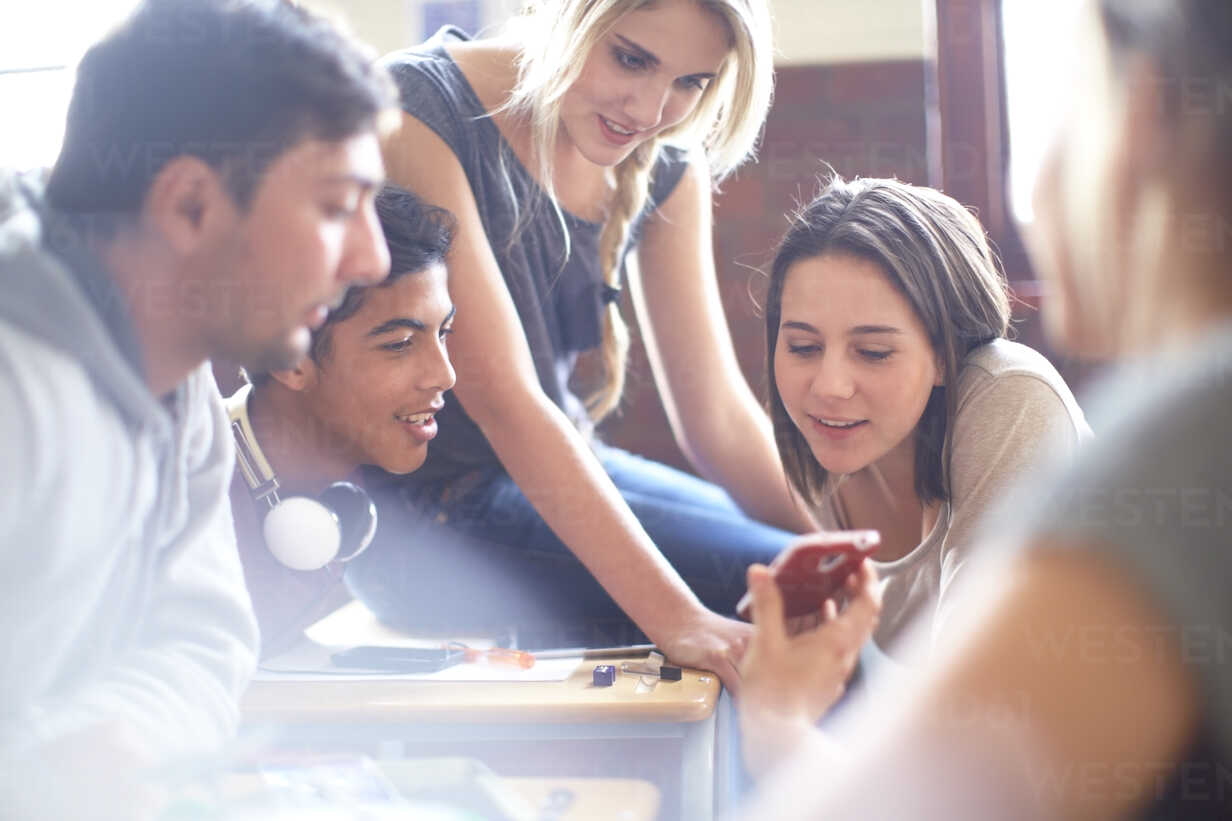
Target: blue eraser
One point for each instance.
(604, 675)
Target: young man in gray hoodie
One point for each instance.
(213, 197)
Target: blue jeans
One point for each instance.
(481, 558)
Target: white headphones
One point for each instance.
(302, 533)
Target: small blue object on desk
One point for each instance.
(604, 675)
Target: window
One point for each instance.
(1001, 81)
(1036, 60)
(40, 45)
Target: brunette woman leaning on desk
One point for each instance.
(899, 404)
(1094, 682)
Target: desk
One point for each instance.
(393, 714)
(558, 799)
(591, 799)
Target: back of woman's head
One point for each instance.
(1189, 42)
(931, 250)
(1133, 204)
(556, 37)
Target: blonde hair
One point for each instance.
(558, 37)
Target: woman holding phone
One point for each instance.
(1092, 680)
(898, 403)
(578, 153)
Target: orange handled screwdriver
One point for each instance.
(495, 655)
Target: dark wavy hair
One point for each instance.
(935, 253)
(418, 235)
(232, 82)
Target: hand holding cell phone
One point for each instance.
(813, 568)
(790, 680)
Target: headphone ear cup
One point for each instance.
(356, 516)
(302, 533)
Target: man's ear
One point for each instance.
(187, 202)
(300, 378)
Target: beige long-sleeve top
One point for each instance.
(1015, 414)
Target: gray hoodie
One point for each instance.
(121, 588)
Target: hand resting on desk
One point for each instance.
(708, 641)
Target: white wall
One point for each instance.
(54, 32)
(839, 31)
(387, 25)
(806, 31)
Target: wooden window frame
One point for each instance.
(968, 129)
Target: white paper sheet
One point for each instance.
(354, 625)
(279, 669)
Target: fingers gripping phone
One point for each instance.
(814, 567)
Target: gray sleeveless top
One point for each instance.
(558, 292)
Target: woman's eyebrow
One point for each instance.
(797, 325)
(638, 50)
(652, 60)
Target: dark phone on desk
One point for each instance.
(397, 659)
(814, 567)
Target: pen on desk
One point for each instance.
(494, 655)
(666, 672)
(595, 652)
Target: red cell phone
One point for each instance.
(814, 567)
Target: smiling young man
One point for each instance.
(183, 220)
(367, 394)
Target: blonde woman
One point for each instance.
(586, 138)
(1095, 682)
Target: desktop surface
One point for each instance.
(577, 699)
